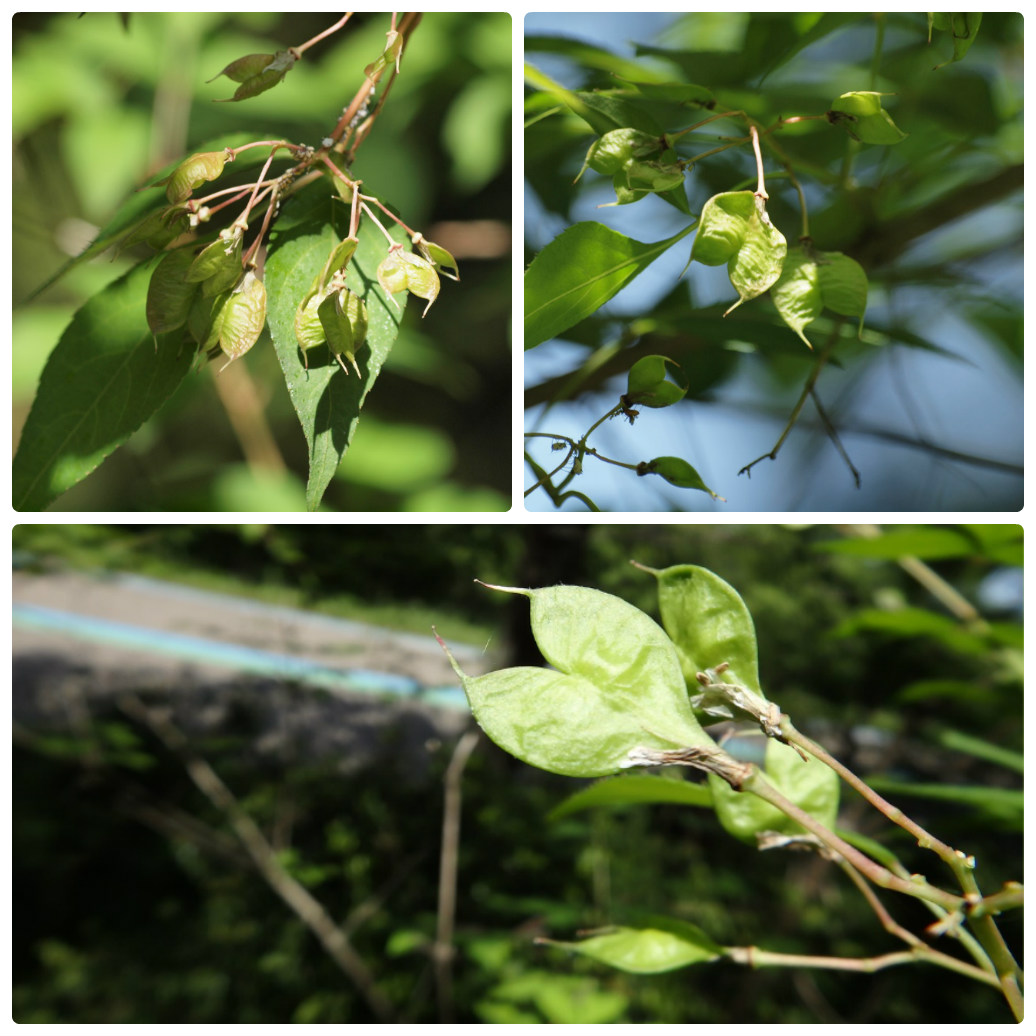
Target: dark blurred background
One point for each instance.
(135, 903)
(102, 101)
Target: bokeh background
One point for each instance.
(101, 101)
(299, 664)
(930, 410)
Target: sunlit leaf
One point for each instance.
(326, 400)
(635, 789)
(578, 272)
(103, 380)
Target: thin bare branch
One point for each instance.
(298, 898)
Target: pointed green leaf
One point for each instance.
(634, 789)
(169, 293)
(103, 380)
(604, 113)
(245, 68)
(578, 272)
(616, 685)
(678, 93)
(677, 472)
(327, 403)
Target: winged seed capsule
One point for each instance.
(244, 317)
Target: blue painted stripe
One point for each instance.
(232, 656)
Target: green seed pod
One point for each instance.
(193, 172)
(309, 332)
(343, 316)
(158, 228)
(244, 317)
(169, 293)
(205, 320)
(437, 256)
(422, 280)
(392, 274)
(389, 56)
(217, 258)
(337, 260)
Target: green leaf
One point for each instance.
(920, 541)
(169, 293)
(1005, 804)
(811, 785)
(326, 400)
(578, 272)
(709, 623)
(587, 55)
(245, 68)
(677, 93)
(103, 380)
(147, 205)
(635, 789)
(915, 622)
(677, 472)
(617, 686)
(646, 383)
(958, 741)
(258, 73)
(646, 951)
(603, 112)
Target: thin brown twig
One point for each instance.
(298, 898)
(832, 434)
(807, 389)
(443, 949)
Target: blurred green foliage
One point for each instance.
(115, 922)
(101, 101)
